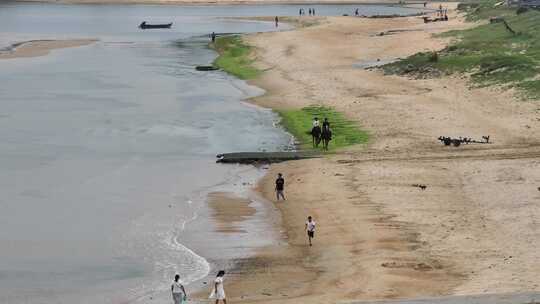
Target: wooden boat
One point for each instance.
(206, 68)
(145, 26)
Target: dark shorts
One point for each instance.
(311, 234)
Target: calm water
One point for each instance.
(107, 151)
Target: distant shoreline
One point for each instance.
(221, 2)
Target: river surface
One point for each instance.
(107, 151)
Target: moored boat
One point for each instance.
(145, 26)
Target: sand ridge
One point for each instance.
(36, 48)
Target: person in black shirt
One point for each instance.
(280, 187)
(213, 36)
(326, 124)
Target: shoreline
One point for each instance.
(222, 2)
(38, 48)
(379, 238)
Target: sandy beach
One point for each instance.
(36, 48)
(473, 229)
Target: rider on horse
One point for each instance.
(316, 132)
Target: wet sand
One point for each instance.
(473, 230)
(229, 210)
(36, 48)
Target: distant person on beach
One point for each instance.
(280, 187)
(313, 11)
(178, 292)
(356, 13)
(213, 37)
(300, 12)
(218, 292)
(310, 228)
(277, 21)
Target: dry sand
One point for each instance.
(36, 48)
(474, 229)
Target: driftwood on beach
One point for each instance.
(262, 157)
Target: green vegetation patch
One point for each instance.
(234, 57)
(344, 132)
(490, 53)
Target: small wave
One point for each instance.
(197, 265)
(170, 130)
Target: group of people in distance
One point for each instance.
(302, 12)
(319, 134)
(310, 223)
(179, 294)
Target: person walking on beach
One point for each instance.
(309, 11)
(313, 11)
(277, 21)
(280, 187)
(178, 292)
(213, 36)
(310, 228)
(356, 13)
(218, 292)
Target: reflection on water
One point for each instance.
(108, 150)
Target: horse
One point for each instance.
(316, 136)
(326, 136)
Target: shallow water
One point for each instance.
(108, 150)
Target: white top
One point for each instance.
(316, 123)
(220, 294)
(310, 225)
(177, 287)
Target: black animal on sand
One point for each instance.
(326, 136)
(316, 133)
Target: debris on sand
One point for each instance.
(423, 187)
(456, 142)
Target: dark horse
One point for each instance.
(316, 136)
(326, 136)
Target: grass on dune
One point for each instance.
(344, 132)
(489, 53)
(234, 57)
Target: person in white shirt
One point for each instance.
(310, 228)
(218, 292)
(316, 122)
(178, 292)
